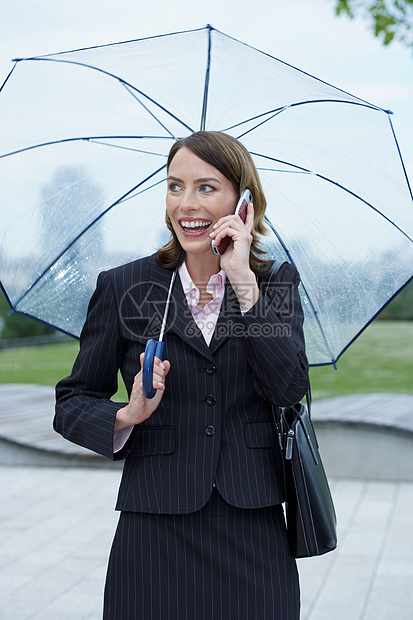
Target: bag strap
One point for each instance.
(308, 399)
(276, 266)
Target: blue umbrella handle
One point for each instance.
(154, 348)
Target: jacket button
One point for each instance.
(210, 400)
(210, 369)
(210, 431)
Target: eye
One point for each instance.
(174, 187)
(206, 188)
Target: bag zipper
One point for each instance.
(289, 446)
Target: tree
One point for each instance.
(391, 20)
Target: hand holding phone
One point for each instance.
(241, 210)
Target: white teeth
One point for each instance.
(195, 224)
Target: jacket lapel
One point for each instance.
(225, 324)
(179, 319)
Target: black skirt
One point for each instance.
(220, 563)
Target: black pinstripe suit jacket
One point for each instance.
(214, 423)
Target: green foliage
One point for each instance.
(18, 326)
(389, 19)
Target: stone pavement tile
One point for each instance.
(391, 592)
(345, 594)
(350, 583)
(56, 524)
(315, 572)
(56, 538)
(84, 601)
(49, 585)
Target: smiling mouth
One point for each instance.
(195, 226)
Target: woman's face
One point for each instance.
(198, 196)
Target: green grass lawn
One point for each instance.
(381, 360)
(44, 364)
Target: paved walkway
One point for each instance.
(26, 431)
(57, 523)
(56, 527)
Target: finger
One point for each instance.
(227, 220)
(249, 222)
(239, 233)
(167, 366)
(158, 374)
(226, 232)
(158, 366)
(137, 394)
(161, 369)
(231, 222)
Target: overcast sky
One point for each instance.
(304, 33)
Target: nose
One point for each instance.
(189, 201)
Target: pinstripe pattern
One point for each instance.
(221, 563)
(171, 463)
(213, 425)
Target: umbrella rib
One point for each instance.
(93, 139)
(182, 32)
(127, 41)
(206, 85)
(11, 71)
(315, 311)
(36, 318)
(82, 233)
(125, 148)
(286, 64)
(317, 318)
(410, 280)
(349, 191)
(129, 196)
(147, 109)
(401, 158)
(277, 111)
(116, 77)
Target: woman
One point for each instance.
(201, 533)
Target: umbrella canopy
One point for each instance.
(84, 137)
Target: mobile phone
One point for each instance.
(241, 210)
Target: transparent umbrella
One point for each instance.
(84, 137)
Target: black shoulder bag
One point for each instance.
(310, 514)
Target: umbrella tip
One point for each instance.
(209, 27)
(389, 111)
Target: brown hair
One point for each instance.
(233, 160)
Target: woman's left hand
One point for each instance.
(235, 260)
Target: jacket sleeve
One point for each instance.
(273, 339)
(84, 413)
